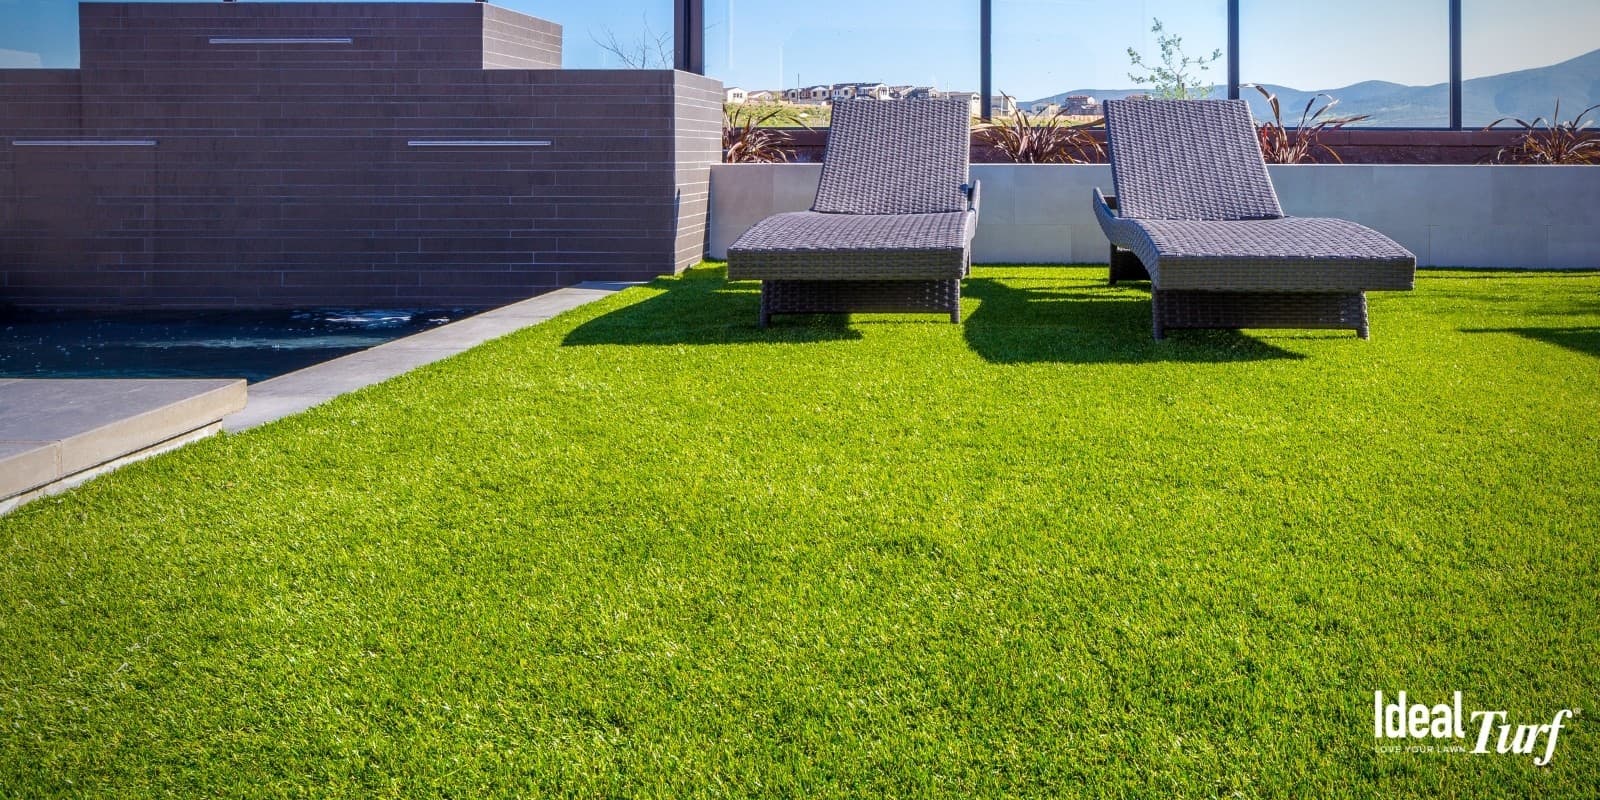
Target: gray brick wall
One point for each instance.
(289, 174)
(518, 41)
(116, 36)
(697, 144)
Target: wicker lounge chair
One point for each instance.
(1194, 211)
(892, 223)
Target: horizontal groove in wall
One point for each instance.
(479, 143)
(280, 40)
(83, 143)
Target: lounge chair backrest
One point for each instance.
(895, 157)
(1188, 159)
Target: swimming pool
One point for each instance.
(254, 345)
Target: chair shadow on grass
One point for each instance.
(1585, 340)
(1078, 324)
(704, 309)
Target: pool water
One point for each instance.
(254, 345)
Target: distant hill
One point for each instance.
(1525, 93)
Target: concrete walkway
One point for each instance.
(290, 394)
(56, 434)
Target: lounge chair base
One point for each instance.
(844, 297)
(1196, 309)
(1125, 266)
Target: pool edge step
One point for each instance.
(59, 433)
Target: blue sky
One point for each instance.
(1041, 46)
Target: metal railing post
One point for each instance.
(1233, 49)
(1455, 65)
(689, 36)
(985, 57)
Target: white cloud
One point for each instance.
(11, 59)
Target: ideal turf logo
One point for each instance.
(1396, 719)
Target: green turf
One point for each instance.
(646, 549)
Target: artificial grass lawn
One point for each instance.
(648, 550)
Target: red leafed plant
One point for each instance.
(1284, 145)
(747, 140)
(1042, 139)
(1555, 141)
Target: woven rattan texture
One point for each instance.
(808, 230)
(1196, 207)
(1292, 254)
(1188, 159)
(895, 157)
(840, 297)
(1170, 309)
(811, 246)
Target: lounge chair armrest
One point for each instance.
(1106, 203)
(971, 191)
(1105, 213)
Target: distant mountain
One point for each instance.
(1525, 93)
(1533, 92)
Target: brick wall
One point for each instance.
(518, 41)
(119, 36)
(293, 174)
(697, 142)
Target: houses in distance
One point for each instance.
(1073, 105)
(824, 94)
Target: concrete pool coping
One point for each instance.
(58, 433)
(297, 391)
